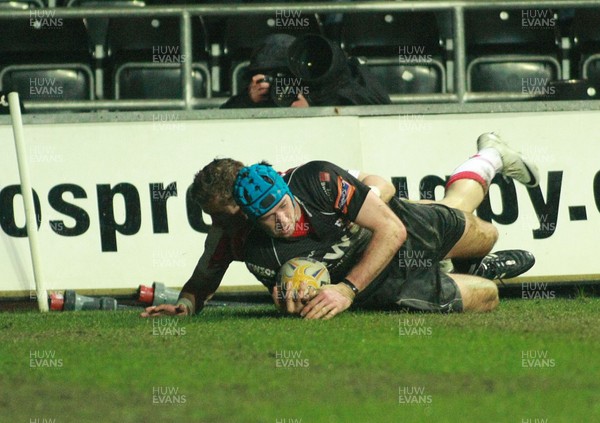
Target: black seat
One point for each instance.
(407, 79)
(402, 49)
(138, 80)
(49, 82)
(45, 58)
(21, 4)
(509, 50)
(146, 62)
(586, 43)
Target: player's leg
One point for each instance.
(470, 181)
(514, 164)
(466, 239)
(464, 194)
(436, 231)
(478, 294)
(431, 290)
(466, 190)
(471, 253)
(477, 239)
(468, 186)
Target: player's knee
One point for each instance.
(493, 299)
(491, 232)
(482, 296)
(488, 297)
(483, 233)
(495, 234)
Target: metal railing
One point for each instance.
(185, 12)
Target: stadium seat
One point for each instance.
(407, 79)
(243, 34)
(22, 4)
(146, 61)
(45, 58)
(72, 81)
(503, 53)
(144, 57)
(586, 43)
(112, 3)
(158, 81)
(403, 49)
(591, 70)
(97, 28)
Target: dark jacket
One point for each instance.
(348, 82)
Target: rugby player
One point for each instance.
(227, 234)
(367, 246)
(213, 189)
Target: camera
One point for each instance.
(315, 59)
(284, 88)
(315, 67)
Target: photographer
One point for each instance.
(307, 71)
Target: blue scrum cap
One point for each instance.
(258, 188)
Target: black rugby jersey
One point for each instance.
(331, 199)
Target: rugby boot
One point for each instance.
(505, 264)
(514, 164)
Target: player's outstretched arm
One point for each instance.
(199, 288)
(388, 236)
(165, 310)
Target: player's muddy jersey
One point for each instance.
(330, 199)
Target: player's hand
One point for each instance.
(294, 301)
(165, 310)
(301, 101)
(331, 300)
(258, 91)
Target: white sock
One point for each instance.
(492, 156)
(482, 168)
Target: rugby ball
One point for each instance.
(302, 269)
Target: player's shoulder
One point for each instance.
(314, 167)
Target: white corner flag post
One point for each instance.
(31, 219)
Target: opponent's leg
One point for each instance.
(514, 164)
(464, 194)
(469, 182)
(478, 294)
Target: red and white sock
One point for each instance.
(482, 168)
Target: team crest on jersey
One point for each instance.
(324, 177)
(345, 193)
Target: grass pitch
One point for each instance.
(528, 360)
